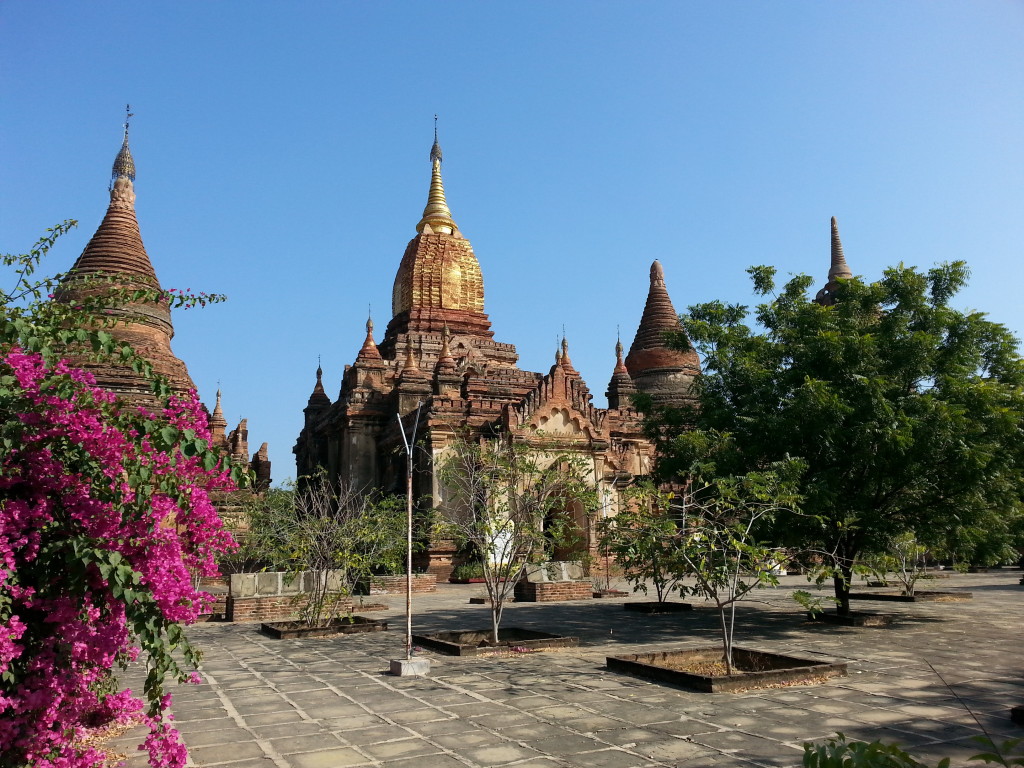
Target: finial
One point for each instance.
(124, 165)
(435, 150)
(436, 214)
(657, 273)
(369, 325)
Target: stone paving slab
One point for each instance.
(329, 702)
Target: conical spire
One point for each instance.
(409, 368)
(318, 398)
(621, 385)
(436, 213)
(369, 349)
(620, 367)
(655, 367)
(217, 419)
(650, 349)
(218, 424)
(839, 267)
(564, 360)
(116, 259)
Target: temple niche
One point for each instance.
(115, 259)
(439, 350)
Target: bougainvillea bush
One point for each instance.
(105, 518)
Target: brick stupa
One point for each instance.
(115, 259)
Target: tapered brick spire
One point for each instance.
(621, 386)
(318, 397)
(656, 368)
(115, 259)
(838, 268)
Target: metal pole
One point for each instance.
(409, 444)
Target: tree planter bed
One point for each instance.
(287, 630)
(473, 642)
(657, 608)
(917, 597)
(853, 619)
(756, 669)
(599, 593)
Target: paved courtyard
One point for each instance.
(329, 702)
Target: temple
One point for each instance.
(115, 261)
(438, 350)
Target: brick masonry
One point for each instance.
(553, 591)
(395, 585)
(281, 608)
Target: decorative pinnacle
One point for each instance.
(435, 150)
(436, 214)
(124, 165)
(839, 267)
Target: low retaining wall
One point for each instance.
(395, 585)
(281, 608)
(553, 591)
(552, 582)
(272, 596)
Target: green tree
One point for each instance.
(719, 544)
(331, 538)
(906, 411)
(510, 503)
(643, 539)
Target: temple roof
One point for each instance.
(439, 272)
(650, 350)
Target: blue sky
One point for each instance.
(282, 155)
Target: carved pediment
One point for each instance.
(559, 422)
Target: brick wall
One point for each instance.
(395, 585)
(280, 608)
(553, 591)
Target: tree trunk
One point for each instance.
(495, 621)
(842, 581)
(726, 640)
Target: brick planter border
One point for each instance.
(763, 669)
(853, 619)
(290, 630)
(468, 642)
(655, 608)
(917, 597)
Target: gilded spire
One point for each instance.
(124, 165)
(436, 214)
(839, 267)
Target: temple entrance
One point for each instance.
(567, 532)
